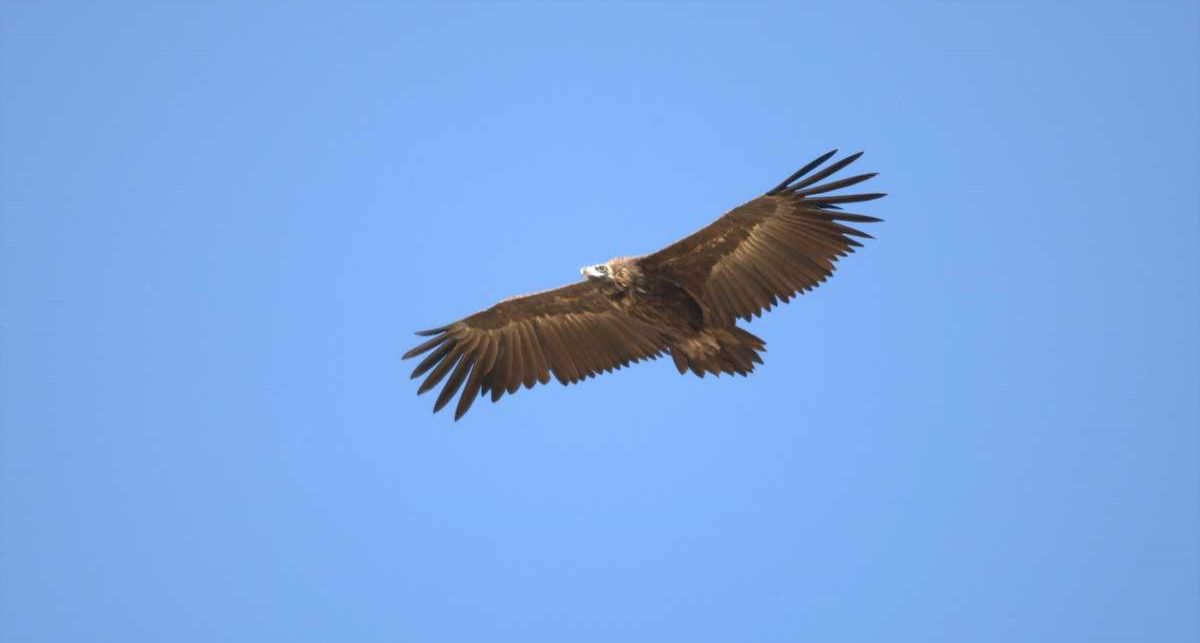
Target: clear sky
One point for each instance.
(220, 223)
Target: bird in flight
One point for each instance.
(683, 300)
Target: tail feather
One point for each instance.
(718, 350)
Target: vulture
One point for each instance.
(683, 300)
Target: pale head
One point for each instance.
(599, 271)
(621, 272)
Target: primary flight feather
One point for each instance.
(683, 300)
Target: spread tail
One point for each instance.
(718, 350)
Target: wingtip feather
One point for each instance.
(810, 166)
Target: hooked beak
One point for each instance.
(590, 272)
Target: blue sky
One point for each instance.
(219, 224)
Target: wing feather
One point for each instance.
(460, 372)
(472, 389)
(516, 368)
(528, 343)
(573, 332)
(771, 248)
(442, 368)
(426, 346)
(581, 351)
(560, 359)
(828, 170)
(542, 370)
(491, 351)
(431, 359)
(496, 380)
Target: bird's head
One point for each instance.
(603, 271)
(619, 272)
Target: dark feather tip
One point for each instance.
(802, 171)
(827, 171)
(836, 185)
(847, 198)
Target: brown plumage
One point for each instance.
(683, 300)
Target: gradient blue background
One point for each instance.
(221, 223)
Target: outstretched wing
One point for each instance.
(780, 244)
(573, 332)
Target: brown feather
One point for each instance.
(516, 367)
(576, 345)
(788, 275)
(454, 381)
(529, 365)
(680, 362)
(560, 360)
(442, 368)
(432, 359)
(497, 379)
(426, 346)
(539, 355)
(489, 352)
(471, 391)
(569, 343)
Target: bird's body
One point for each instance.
(696, 338)
(683, 300)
